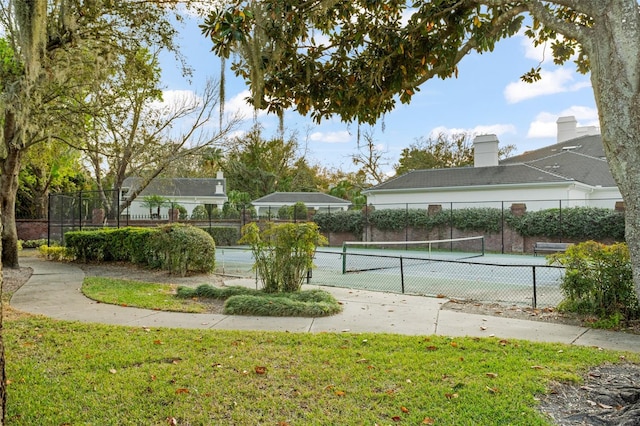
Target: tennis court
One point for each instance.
(468, 275)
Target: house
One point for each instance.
(572, 172)
(270, 204)
(186, 192)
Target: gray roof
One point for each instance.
(578, 160)
(290, 198)
(178, 187)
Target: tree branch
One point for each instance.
(471, 44)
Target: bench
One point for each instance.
(541, 247)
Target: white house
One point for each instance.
(187, 192)
(572, 172)
(312, 200)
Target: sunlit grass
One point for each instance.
(138, 294)
(71, 373)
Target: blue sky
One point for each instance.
(487, 97)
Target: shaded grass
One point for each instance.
(138, 294)
(246, 301)
(72, 373)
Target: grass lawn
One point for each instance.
(239, 300)
(138, 294)
(78, 374)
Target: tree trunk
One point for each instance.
(10, 167)
(3, 375)
(615, 75)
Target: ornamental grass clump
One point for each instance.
(247, 301)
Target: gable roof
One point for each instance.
(178, 187)
(290, 198)
(577, 160)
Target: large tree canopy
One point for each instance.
(356, 58)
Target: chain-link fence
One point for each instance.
(490, 279)
(81, 210)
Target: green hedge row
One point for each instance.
(176, 248)
(577, 222)
(224, 236)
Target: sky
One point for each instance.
(488, 97)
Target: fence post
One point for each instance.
(401, 275)
(80, 210)
(560, 226)
(535, 289)
(451, 225)
(406, 222)
(502, 227)
(49, 221)
(344, 258)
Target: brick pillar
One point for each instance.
(174, 215)
(619, 206)
(97, 216)
(518, 209)
(434, 209)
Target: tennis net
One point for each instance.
(360, 256)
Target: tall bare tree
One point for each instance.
(134, 133)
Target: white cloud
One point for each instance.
(173, 98)
(342, 136)
(537, 53)
(544, 125)
(239, 105)
(558, 81)
(490, 129)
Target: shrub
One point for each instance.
(598, 280)
(283, 253)
(56, 253)
(299, 211)
(122, 244)
(29, 244)
(247, 301)
(205, 212)
(314, 303)
(230, 211)
(177, 248)
(477, 219)
(341, 221)
(183, 248)
(89, 245)
(209, 291)
(224, 236)
(580, 223)
(284, 212)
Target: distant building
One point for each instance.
(313, 200)
(573, 170)
(187, 192)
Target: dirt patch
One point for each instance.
(530, 314)
(610, 395)
(13, 279)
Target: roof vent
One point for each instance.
(569, 148)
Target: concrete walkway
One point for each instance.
(54, 291)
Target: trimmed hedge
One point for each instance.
(584, 223)
(341, 221)
(224, 236)
(177, 248)
(581, 223)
